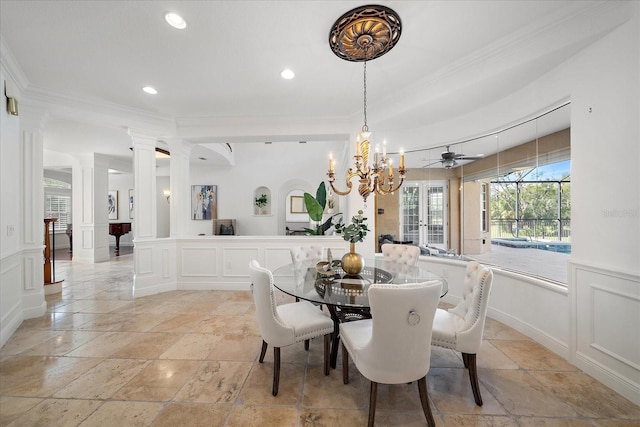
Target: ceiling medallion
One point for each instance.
(365, 33)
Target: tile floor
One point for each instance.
(100, 358)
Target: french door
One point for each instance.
(424, 215)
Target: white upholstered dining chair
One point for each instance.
(306, 253)
(286, 324)
(401, 254)
(393, 347)
(460, 328)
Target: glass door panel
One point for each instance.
(424, 214)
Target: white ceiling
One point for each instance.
(223, 71)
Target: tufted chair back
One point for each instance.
(272, 328)
(473, 307)
(306, 253)
(401, 254)
(402, 319)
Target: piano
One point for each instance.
(118, 229)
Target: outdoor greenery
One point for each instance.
(538, 207)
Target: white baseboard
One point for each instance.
(622, 385)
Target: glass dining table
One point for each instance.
(344, 295)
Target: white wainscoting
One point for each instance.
(606, 327)
(534, 307)
(214, 262)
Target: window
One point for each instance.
(483, 208)
(57, 203)
(509, 207)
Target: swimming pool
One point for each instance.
(523, 242)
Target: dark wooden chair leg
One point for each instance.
(263, 351)
(276, 370)
(345, 365)
(306, 345)
(465, 360)
(424, 400)
(473, 377)
(373, 394)
(327, 350)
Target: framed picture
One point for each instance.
(297, 205)
(204, 202)
(131, 203)
(113, 204)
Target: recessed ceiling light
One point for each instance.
(175, 20)
(150, 90)
(287, 74)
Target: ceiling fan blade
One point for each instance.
(464, 157)
(432, 163)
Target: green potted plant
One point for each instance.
(352, 262)
(261, 202)
(315, 208)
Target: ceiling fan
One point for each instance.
(449, 159)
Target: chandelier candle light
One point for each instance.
(365, 33)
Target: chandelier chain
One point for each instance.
(365, 128)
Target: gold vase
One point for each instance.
(352, 263)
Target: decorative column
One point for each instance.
(144, 184)
(90, 209)
(32, 123)
(180, 189)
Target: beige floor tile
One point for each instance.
(478, 420)
(158, 381)
(552, 422)
(178, 323)
(24, 340)
(236, 347)
(62, 342)
(259, 384)
(192, 346)
(520, 394)
(106, 344)
(193, 415)
(445, 358)
(532, 356)
(130, 414)
(40, 376)
(148, 346)
(214, 382)
(102, 381)
(12, 408)
(263, 416)
(491, 357)
(450, 391)
(322, 391)
(57, 412)
(494, 330)
(316, 417)
(588, 397)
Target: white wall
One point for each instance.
(257, 164)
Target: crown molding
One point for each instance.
(98, 112)
(12, 66)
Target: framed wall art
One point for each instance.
(131, 203)
(204, 202)
(112, 204)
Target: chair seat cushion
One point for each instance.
(307, 320)
(445, 328)
(355, 335)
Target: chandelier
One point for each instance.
(360, 35)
